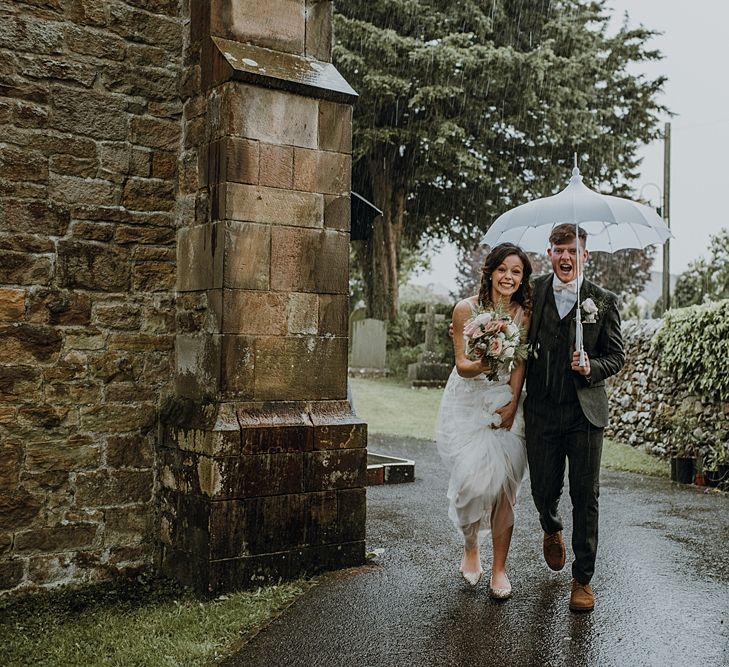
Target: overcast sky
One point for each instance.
(695, 44)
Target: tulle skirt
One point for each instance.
(487, 465)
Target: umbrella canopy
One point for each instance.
(611, 223)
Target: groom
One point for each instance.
(566, 408)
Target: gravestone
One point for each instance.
(369, 347)
(428, 371)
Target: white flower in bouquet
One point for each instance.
(495, 339)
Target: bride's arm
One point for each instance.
(465, 367)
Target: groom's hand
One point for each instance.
(507, 414)
(582, 370)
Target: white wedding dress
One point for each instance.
(487, 465)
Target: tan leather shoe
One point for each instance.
(555, 553)
(582, 598)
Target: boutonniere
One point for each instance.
(589, 311)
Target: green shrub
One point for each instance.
(693, 346)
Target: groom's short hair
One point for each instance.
(565, 233)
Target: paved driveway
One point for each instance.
(662, 586)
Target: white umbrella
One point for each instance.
(612, 223)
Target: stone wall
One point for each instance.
(642, 397)
(91, 164)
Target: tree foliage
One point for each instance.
(706, 279)
(469, 108)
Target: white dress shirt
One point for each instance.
(565, 295)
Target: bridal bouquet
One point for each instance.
(494, 338)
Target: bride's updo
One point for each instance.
(523, 296)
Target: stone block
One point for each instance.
(230, 159)
(125, 526)
(112, 488)
(57, 69)
(59, 307)
(155, 132)
(256, 313)
(336, 426)
(91, 43)
(164, 164)
(319, 29)
(139, 342)
(23, 269)
(78, 452)
(265, 114)
(276, 166)
(266, 524)
(12, 304)
(30, 34)
(249, 203)
(93, 114)
(321, 518)
(145, 235)
(27, 243)
(247, 263)
(29, 344)
(333, 314)
(238, 366)
(117, 417)
(301, 368)
(117, 315)
(322, 171)
(55, 569)
(11, 457)
(74, 191)
(18, 164)
(153, 276)
(351, 514)
(302, 313)
(141, 26)
(142, 194)
(337, 212)
(69, 165)
(93, 266)
(19, 384)
(18, 509)
(276, 24)
(335, 469)
(56, 538)
(200, 257)
(309, 260)
(198, 359)
(335, 127)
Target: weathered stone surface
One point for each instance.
(128, 525)
(12, 304)
(333, 314)
(302, 313)
(276, 166)
(68, 165)
(319, 29)
(23, 269)
(145, 27)
(155, 132)
(300, 368)
(247, 312)
(322, 171)
(277, 24)
(59, 307)
(11, 456)
(336, 426)
(335, 469)
(230, 159)
(247, 256)
(23, 165)
(143, 194)
(18, 508)
(19, 383)
(129, 451)
(55, 569)
(111, 418)
(238, 366)
(92, 43)
(198, 359)
(249, 203)
(268, 115)
(122, 315)
(56, 538)
(101, 116)
(308, 260)
(24, 33)
(11, 573)
(337, 212)
(112, 488)
(93, 266)
(73, 191)
(26, 343)
(78, 452)
(153, 276)
(200, 252)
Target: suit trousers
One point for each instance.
(556, 434)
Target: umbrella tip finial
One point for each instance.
(575, 170)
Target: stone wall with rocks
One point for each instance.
(643, 398)
(93, 174)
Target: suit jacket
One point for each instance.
(602, 340)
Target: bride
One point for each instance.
(480, 428)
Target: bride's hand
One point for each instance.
(507, 414)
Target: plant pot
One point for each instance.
(682, 470)
(712, 477)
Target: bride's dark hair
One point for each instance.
(523, 296)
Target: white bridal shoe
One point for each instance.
(472, 578)
(499, 593)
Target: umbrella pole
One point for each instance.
(579, 347)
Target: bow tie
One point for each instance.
(559, 286)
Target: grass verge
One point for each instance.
(394, 408)
(144, 623)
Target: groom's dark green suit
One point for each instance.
(566, 413)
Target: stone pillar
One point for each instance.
(263, 463)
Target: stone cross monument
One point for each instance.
(427, 371)
(263, 463)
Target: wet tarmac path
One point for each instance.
(661, 581)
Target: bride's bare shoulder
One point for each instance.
(466, 305)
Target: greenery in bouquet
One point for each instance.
(494, 338)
